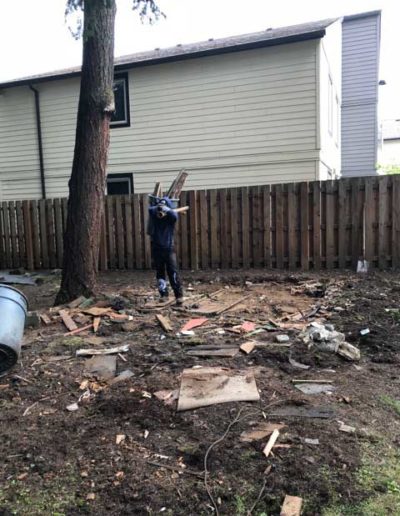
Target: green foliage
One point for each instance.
(389, 169)
(391, 403)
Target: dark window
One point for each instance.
(121, 118)
(119, 184)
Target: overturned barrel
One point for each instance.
(13, 309)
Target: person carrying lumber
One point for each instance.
(162, 228)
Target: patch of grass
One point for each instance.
(379, 477)
(240, 505)
(56, 497)
(390, 402)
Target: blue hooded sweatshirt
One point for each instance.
(162, 230)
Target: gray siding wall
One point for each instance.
(360, 63)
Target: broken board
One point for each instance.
(303, 411)
(291, 506)
(215, 352)
(213, 385)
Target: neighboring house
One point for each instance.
(389, 145)
(254, 109)
(360, 66)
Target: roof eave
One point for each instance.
(177, 57)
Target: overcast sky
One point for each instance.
(34, 37)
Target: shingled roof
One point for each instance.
(269, 37)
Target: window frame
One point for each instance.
(114, 178)
(123, 76)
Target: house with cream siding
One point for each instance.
(248, 110)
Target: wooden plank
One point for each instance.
(292, 225)
(43, 233)
(51, 233)
(214, 240)
(58, 215)
(383, 215)
(234, 228)
(164, 322)
(270, 444)
(67, 320)
(21, 234)
(204, 229)
(304, 231)
(356, 220)
(370, 220)
(26, 208)
(245, 226)
(35, 234)
(279, 242)
(6, 229)
(316, 223)
(193, 222)
(256, 218)
(184, 232)
(224, 225)
(13, 234)
(266, 202)
(395, 222)
(103, 263)
(129, 233)
(291, 506)
(110, 231)
(137, 239)
(342, 222)
(145, 236)
(330, 222)
(120, 232)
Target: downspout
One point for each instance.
(40, 142)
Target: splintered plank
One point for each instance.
(177, 185)
(279, 240)
(164, 322)
(157, 192)
(342, 224)
(13, 232)
(96, 324)
(28, 234)
(304, 232)
(51, 233)
(245, 227)
(224, 225)
(129, 235)
(43, 233)
(330, 225)
(266, 202)
(203, 228)
(271, 442)
(67, 320)
(370, 220)
(383, 215)
(21, 234)
(110, 230)
(119, 230)
(137, 231)
(292, 225)
(234, 228)
(395, 222)
(214, 240)
(59, 231)
(194, 241)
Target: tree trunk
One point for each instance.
(87, 183)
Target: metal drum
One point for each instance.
(13, 309)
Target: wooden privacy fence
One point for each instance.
(294, 225)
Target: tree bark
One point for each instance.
(87, 183)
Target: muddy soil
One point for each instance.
(60, 462)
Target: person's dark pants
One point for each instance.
(165, 263)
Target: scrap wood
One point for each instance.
(194, 323)
(76, 302)
(260, 431)
(248, 346)
(155, 306)
(165, 323)
(182, 209)
(67, 320)
(213, 385)
(97, 311)
(96, 324)
(157, 192)
(270, 444)
(107, 351)
(216, 308)
(177, 185)
(291, 506)
(46, 319)
(312, 381)
(79, 330)
(216, 352)
(298, 365)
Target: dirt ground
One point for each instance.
(57, 462)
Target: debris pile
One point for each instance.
(325, 338)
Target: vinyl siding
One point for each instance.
(230, 120)
(360, 57)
